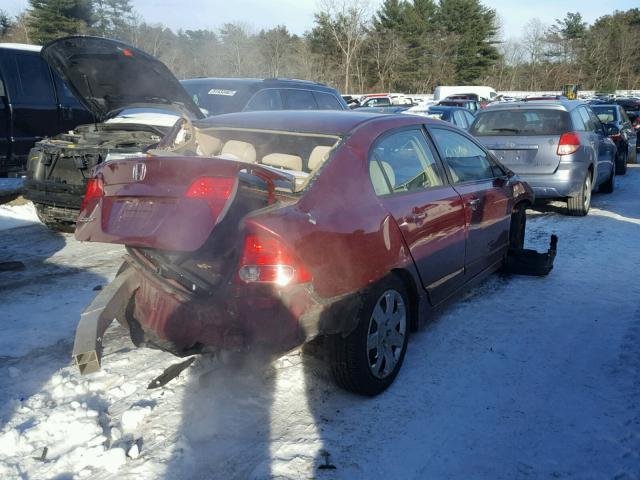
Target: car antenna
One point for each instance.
(86, 81)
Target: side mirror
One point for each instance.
(611, 129)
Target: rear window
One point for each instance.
(217, 98)
(606, 114)
(521, 122)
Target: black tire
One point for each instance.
(621, 162)
(610, 185)
(518, 226)
(50, 221)
(579, 205)
(350, 358)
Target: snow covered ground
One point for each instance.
(522, 378)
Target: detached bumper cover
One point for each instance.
(109, 304)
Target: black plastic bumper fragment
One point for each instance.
(521, 261)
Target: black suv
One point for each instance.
(215, 96)
(34, 103)
(135, 101)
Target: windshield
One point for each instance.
(216, 98)
(606, 114)
(527, 122)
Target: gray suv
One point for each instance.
(559, 147)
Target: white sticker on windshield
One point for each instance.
(218, 91)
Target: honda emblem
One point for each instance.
(139, 171)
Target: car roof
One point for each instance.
(446, 108)
(258, 82)
(324, 122)
(21, 46)
(551, 103)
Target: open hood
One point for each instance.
(108, 75)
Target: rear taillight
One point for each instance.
(265, 259)
(95, 190)
(569, 143)
(615, 137)
(214, 190)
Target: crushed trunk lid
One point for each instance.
(108, 76)
(168, 203)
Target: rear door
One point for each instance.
(483, 186)
(603, 145)
(411, 185)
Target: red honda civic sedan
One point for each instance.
(270, 229)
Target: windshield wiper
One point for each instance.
(514, 130)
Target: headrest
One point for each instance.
(242, 151)
(283, 160)
(318, 155)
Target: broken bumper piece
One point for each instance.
(522, 261)
(96, 318)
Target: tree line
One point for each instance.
(404, 45)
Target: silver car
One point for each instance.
(559, 147)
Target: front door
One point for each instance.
(412, 187)
(34, 113)
(486, 195)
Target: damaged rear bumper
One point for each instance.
(164, 315)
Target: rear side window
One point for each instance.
(521, 122)
(268, 99)
(459, 119)
(299, 99)
(465, 160)
(31, 80)
(403, 162)
(589, 125)
(326, 101)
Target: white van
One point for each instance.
(485, 93)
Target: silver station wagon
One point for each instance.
(559, 147)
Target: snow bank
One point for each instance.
(12, 216)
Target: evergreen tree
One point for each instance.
(51, 19)
(475, 28)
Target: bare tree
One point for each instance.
(347, 22)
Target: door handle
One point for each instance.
(473, 203)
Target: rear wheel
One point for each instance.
(369, 358)
(610, 185)
(51, 221)
(621, 162)
(580, 204)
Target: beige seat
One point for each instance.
(239, 151)
(377, 178)
(283, 160)
(208, 145)
(318, 155)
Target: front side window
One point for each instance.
(465, 160)
(33, 82)
(403, 162)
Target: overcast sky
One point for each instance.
(297, 15)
